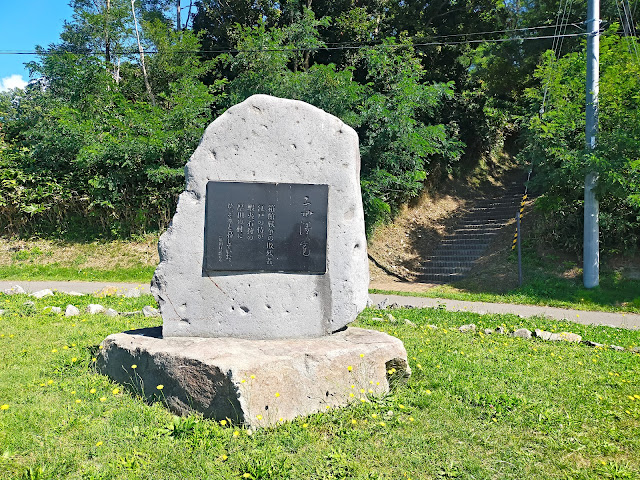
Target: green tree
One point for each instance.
(556, 145)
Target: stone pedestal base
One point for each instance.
(256, 382)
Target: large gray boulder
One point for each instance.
(271, 140)
(255, 382)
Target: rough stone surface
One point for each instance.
(53, 309)
(543, 334)
(267, 139)
(617, 348)
(565, 336)
(71, 311)
(110, 312)
(467, 328)
(149, 311)
(94, 308)
(489, 331)
(243, 379)
(42, 293)
(522, 333)
(500, 330)
(16, 289)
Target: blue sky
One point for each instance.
(23, 25)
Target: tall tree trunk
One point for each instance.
(144, 70)
(178, 21)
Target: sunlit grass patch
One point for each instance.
(476, 406)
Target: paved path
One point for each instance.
(624, 320)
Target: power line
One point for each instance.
(284, 49)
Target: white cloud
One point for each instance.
(11, 82)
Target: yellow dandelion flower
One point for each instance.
(277, 394)
(4, 407)
(382, 424)
(353, 386)
(73, 392)
(353, 421)
(98, 444)
(242, 381)
(94, 359)
(281, 419)
(391, 371)
(236, 433)
(73, 344)
(78, 400)
(116, 391)
(350, 368)
(54, 350)
(363, 400)
(362, 390)
(253, 376)
(374, 415)
(627, 412)
(411, 419)
(630, 397)
(223, 422)
(259, 417)
(428, 392)
(74, 359)
(636, 396)
(134, 366)
(160, 387)
(362, 355)
(305, 425)
(370, 390)
(351, 395)
(93, 390)
(247, 475)
(102, 399)
(50, 382)
(419, 366)
(401, 406)
(223, 457)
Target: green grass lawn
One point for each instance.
(140, 274)
(476, 407)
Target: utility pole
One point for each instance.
(591, 252)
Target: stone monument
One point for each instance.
(261, 270)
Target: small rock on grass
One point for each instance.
(594, 344)
(409, 322)
(544, 335)
(132, 293)
(94, 308)
(391, 318)
(489, 331)
(500, 330)
(16, 289)
(565, 336)
(74, 293)
(71, 311)
(2, 312)
(467, 328)
(149, 311)
(110, 312)
(42, 293)
(617, 348)
(52, 309)
(522, 333)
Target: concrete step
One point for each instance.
(440, 277)
(450, 258)
(437, 263)
(443, 270)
